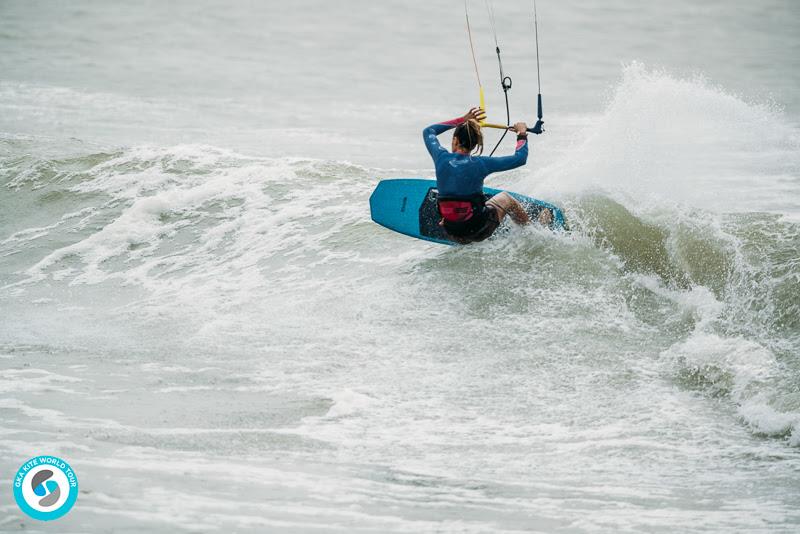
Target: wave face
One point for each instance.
(200, 305)
(698, 197)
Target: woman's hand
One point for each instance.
(521, 128)
(475, 114)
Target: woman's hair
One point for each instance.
(469, 136)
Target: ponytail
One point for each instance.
(469, 136)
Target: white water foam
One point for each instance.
(685, 141)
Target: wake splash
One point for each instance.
(697, 194)
(664, 140)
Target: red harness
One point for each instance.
(455, 210)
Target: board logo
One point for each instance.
(45, 487)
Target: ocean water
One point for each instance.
(198, 314)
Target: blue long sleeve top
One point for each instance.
(462, 175)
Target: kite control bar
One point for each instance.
(537, 129)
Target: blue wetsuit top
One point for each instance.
(462, 175)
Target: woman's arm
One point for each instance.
(430, 133)
(520, 157)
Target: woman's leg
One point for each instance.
(506, 204)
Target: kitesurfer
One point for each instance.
(467, 214)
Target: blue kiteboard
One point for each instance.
(408, 206)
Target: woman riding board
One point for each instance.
(467, 215)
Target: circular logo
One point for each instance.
(45, 487)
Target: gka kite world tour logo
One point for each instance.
(45, 487)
